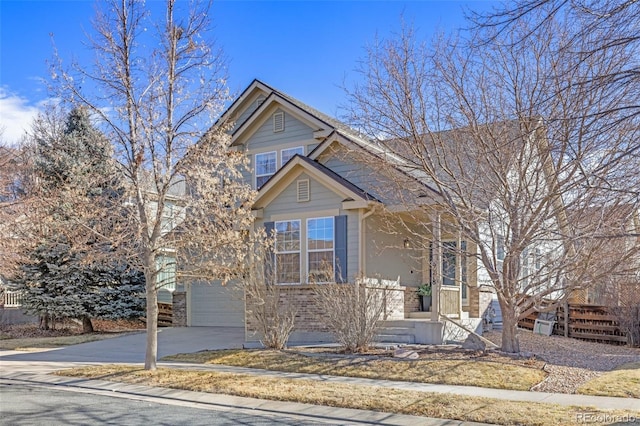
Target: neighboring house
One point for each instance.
(327, 209)
(621, 254)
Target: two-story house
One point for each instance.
(327, 207)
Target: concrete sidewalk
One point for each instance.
(203, 400)
(511, 395)
(130, 349)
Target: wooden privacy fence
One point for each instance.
(590, 322)
(165, 315)
(585, 322)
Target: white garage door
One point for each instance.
(213, 305)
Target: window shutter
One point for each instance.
(278, 122)
(303, 190)
(340, 230)
(270, 261)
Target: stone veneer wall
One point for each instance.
(479, 301)
(179, 309)
(411, 300)
(309, 317)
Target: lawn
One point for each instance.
(25, 337)
(447, 406)
(623, 381)
(29, 343)
(496, 373)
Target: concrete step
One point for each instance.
(396, 338)
(427, 315)
(420, 315)
(397, 330)
(397, 323)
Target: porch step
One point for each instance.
(396, 338)
(396, 331)
(396, 323)
(427, 315)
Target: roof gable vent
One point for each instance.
(260, 101)
(303, 190)
(278, 122)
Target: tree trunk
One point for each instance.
(151, 354)
(87, 326)
(44, 321)
(510, 342)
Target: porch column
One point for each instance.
(459, 261)
(436, 267)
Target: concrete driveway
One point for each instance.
(131, 348)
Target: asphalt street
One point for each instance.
(33, 405)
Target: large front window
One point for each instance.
(265, 167)
(320, 249)
(287, 250)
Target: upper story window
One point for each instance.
(287, 154)
(267, 163)
(265, 167)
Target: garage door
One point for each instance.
(213, 305)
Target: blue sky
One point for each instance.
(307, 49)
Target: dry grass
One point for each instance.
(490, 374)
(29, 343)
(623, 381)
(347, 396)
(25, 337)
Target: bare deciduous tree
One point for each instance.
(512, 143)
(270, 308)
(352, 312)
(156, 86)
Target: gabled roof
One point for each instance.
(322, 121)
(275, 99)
(278, 182)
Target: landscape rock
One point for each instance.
(474, 343)
(405, 353)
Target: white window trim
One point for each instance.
(255, 164)
(277, 252)
(333, 249)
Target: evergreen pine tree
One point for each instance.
(72, 272)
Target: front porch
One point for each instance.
(424, 331)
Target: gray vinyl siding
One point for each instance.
(165, 296)
(360, 175)
(247, 112)
(322, 199)
(386, 256)
(264, 137)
